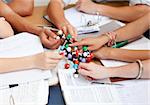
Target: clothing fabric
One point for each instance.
(136, 2)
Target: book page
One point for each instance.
(91, 95)
(23, 44)
(79, 91)
(136, 92)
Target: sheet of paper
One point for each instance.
(135, 91)
(78, 19)
(141, 44)
(91, 95)
(23, 44)
(33, 93)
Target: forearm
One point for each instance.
(130, 30)
(127, 13)
(128, 55)
(16, 64)
(17, 21)
(16, 6)
(56, 12)
(130, 70)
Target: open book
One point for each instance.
(32, 84)
(79, 91)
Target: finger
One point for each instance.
(74, 32)
(80, 43)
(85, 66)
(47, 41)
(77, 6)
(64, 29)
(56, 45)
(53, 41)
(91, 48)
(84, 72)
(88, 78)
(71, 30)
(50, 33)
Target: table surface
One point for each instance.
(37, 19)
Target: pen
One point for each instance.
(102, 83)
(49, 28)
(120, 44)
(123, 43)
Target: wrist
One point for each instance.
(112, 72)
(103, 38)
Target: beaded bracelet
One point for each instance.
(112, 38)
(140, 69)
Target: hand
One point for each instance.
(46, 60)
(67, 28)
(87, 6)
(93, 70)
(48, 39)
(93, 43)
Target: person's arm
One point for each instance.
(127, 71)
(45, 60)
(16, 64)
(5, 28)
(126, 13)
(122, 54)
(15, 20)
(22, 25)
(56, 14)
(130, 31)
(131, 70)
(22, 7)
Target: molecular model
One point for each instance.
(73, 54)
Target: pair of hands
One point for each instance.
(48, 37)
(95, 44)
